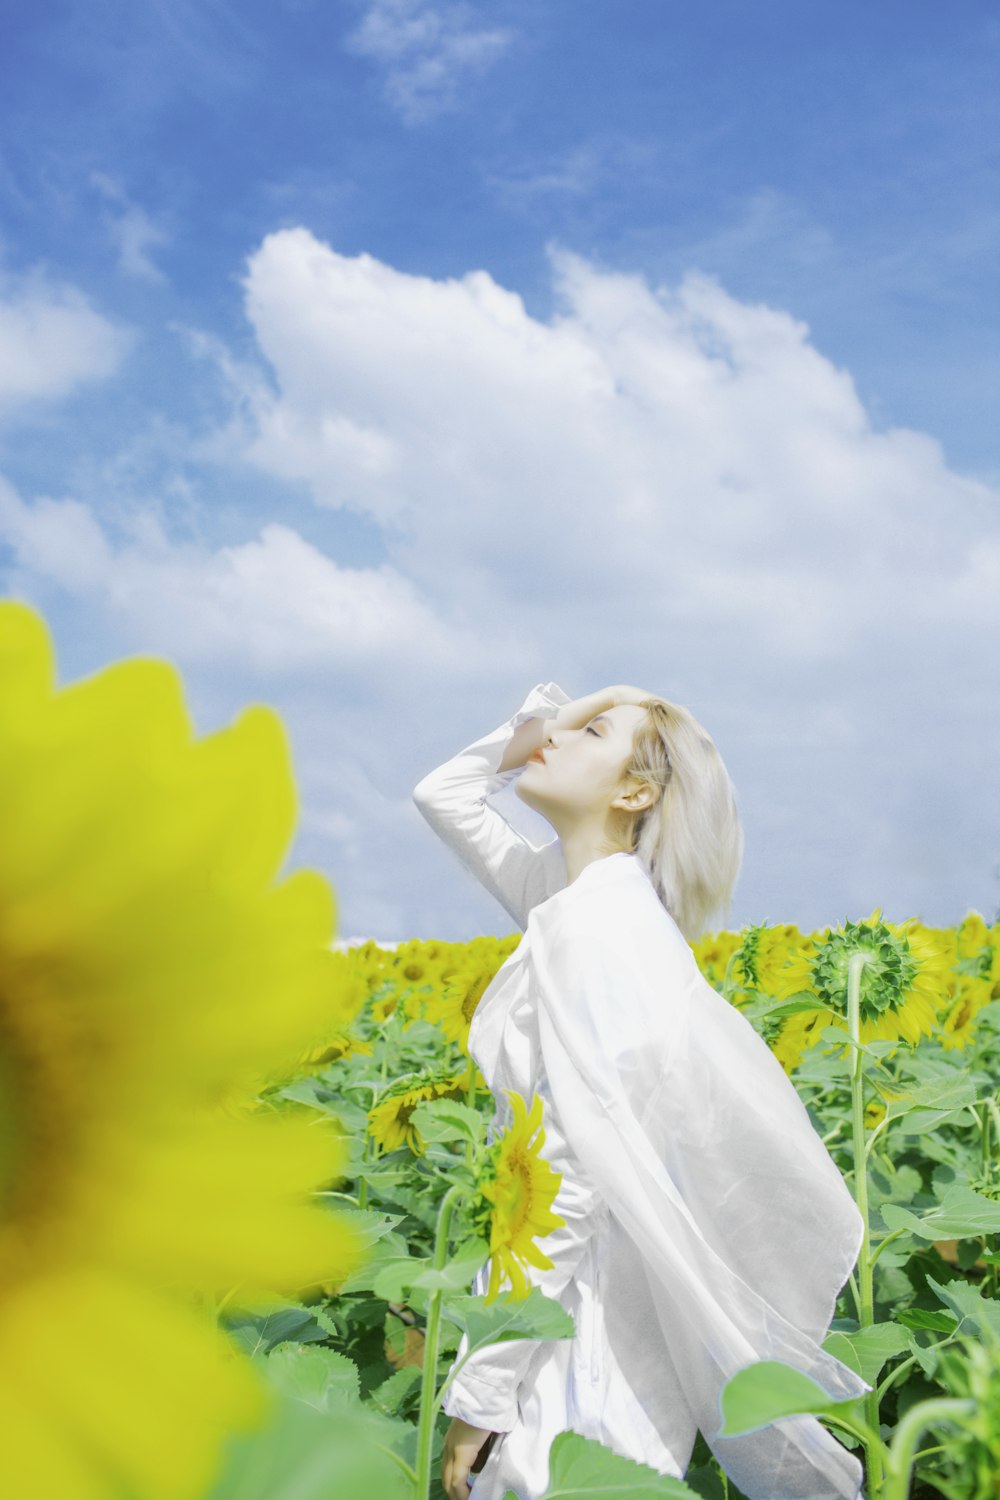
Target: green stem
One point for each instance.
(908, 1434)
(866, 1302)
(363, 1184)
(470, 1099)
(894, 1375)
(994, 1113)
(887, 1241)
(428, 1382)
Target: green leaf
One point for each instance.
(961, 1212)
(321, 1378)
(768, 1390)
(303, 1454)
(390, 1395)
(927, 1356)
(927, 1105)
(533, 1317)
(256, 1335)
(448, 1120)
(392, 1273)
(867, 1350)
(371, 1223)
(800, 1001)
(876, 1049)
(974, 1311)
(389, 1253)
(459, 1271)
(923, 1318)
(581, 1467)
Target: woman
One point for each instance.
(705, 1224)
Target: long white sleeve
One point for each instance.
(454, 800)
(484, 1392)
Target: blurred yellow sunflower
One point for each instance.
(712, 953)
(972, 936)
(389, 1121)
(406, 976)
(339, 1044)
(968, 993)
(150, 967)
(520, 1187)
(462, 985)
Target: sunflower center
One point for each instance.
(473, 996)
(518, 1205)
(41, 1106)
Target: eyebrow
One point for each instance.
(601, 719)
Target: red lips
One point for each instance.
(537, 756)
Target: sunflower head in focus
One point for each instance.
(903, 984)
(151, 967)
(518, 1189)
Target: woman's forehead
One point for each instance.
(623, 718)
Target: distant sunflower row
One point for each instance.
(922, 983)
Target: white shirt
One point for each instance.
(706, 1224)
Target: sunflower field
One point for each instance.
(248, 1177)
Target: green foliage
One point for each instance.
(533, 1317)
(768, 1390)
(580, 1469)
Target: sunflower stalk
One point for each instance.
(901, 1456)
(432, 1331)
(865, 1297)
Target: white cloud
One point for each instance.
(426, 51)
(276, 603)
(51, 341)
(599, 162)
(132, 230)
(680, 447)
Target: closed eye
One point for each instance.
(592, 731)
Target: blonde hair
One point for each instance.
(690, 840)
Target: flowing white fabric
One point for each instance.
(707, 1225)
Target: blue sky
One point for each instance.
(380, 359)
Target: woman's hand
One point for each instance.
(462, 1443)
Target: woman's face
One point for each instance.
(582, 770)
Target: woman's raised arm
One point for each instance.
(454, 800)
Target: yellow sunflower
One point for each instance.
(389, 1121)
(903, 985)
(452, 1006)
(972, 936)
(149, 966)
(758, 958)
(712, 953)
(409, 975)
(968, 993)
(340, 1044)
(520, 1187)
(795, 1034)
(462, 984)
